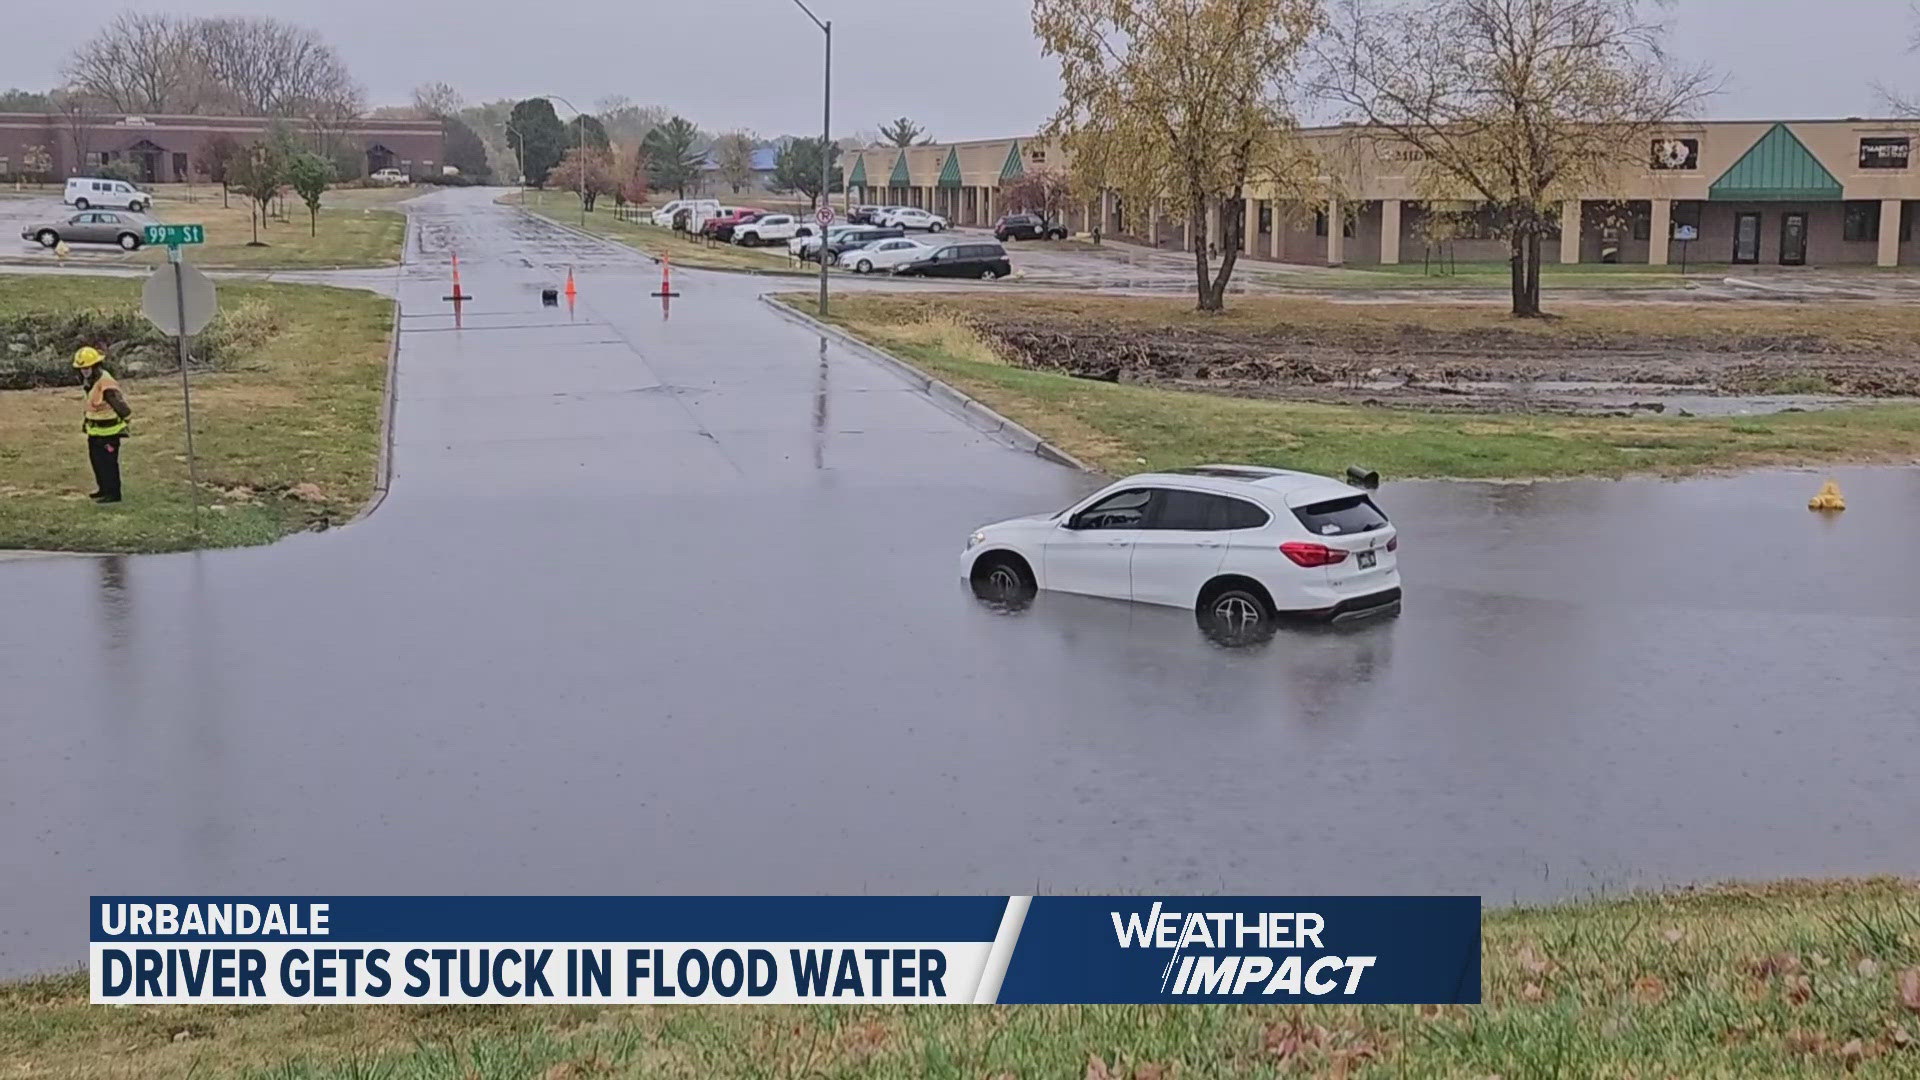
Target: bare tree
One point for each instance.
(78, 113)
(437, 99)
(733, 159)
(1183, 100)
(140, 62)
(1903, 102)
(267, 67)
(904, 132)
(1522, 103)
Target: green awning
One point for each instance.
(1012, 168)
(1778, 168)
(950, 172)
(859, 178)
(900, 177)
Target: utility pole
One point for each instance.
(826, 144)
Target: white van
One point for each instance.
(663, 217)
(86, 192)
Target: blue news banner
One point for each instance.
(784, 949)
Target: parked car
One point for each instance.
(721, 225)
(856, 238)
(863, 215)
(89, 192)
(839, 238)
(1027, 227)
(768, 229)
(885, 255)
(664, 217)
(90, 227)
(390, 178)
(960, 260)
(912, 217)
(1237, 544)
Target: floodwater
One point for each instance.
(667, 602)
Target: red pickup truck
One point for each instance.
(721, 227)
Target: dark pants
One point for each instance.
(104, 452)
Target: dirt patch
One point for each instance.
(1489, 368)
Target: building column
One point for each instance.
(1336, 232)
(1389, 232)
(1570, 230)
(1153, 223)
(1250, 226)
(1273, 238)
(1106, 212)
(1889, 232)
(1213, 225)
(1660, 232)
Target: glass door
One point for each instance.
(1746, 238)
(1793, 240)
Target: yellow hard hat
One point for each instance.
(87, 357)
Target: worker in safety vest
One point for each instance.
(105, 423)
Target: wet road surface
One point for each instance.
(668, 605)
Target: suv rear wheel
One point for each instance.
(80, 204)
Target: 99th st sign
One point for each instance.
(180, 300)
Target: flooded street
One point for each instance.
(666, 602)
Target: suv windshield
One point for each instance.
(1341, 517)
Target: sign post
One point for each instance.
(1686, 234)
(180, 301)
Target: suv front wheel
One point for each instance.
(80, 204)
(137, 206)
(48, 238)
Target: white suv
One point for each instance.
(1238, 544)
(911, 217)
(767, 229)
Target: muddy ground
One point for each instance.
(1477, 370)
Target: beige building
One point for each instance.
(1788, 193)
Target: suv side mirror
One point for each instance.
(1074, 521)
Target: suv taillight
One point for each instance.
(1393, 544)
(1304, 554)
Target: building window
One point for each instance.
(1320, 225)
(1675, 154)
(1889, 152)
(1861, 221)
(1036, 155)
(179, 166)
(1266, 215)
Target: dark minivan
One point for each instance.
(961, 260)
(1027, 227)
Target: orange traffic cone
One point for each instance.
(571, 291)
(457, 294)
(666, 277)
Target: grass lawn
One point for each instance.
(564, 207)
(1125, 428)
(1801, 979)
(350, 231)
(304, 407)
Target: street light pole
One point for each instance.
(826, 144)
(579, 121)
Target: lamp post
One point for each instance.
(579, 121)
(826, 144)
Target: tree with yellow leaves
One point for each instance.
(1185, 101)
(1521, 103)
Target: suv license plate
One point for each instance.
(1367, 559)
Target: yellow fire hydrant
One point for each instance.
(1829, 498)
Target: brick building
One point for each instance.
(168, 149)
(1786, 193)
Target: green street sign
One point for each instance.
(175, 235)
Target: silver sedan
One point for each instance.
(90, 227)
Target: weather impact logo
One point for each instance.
(1241, 954)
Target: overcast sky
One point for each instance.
(965, 68)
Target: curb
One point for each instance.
(383, 468)
(980, 416)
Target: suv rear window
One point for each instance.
(1341, 517)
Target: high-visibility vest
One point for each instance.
(101, 419)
